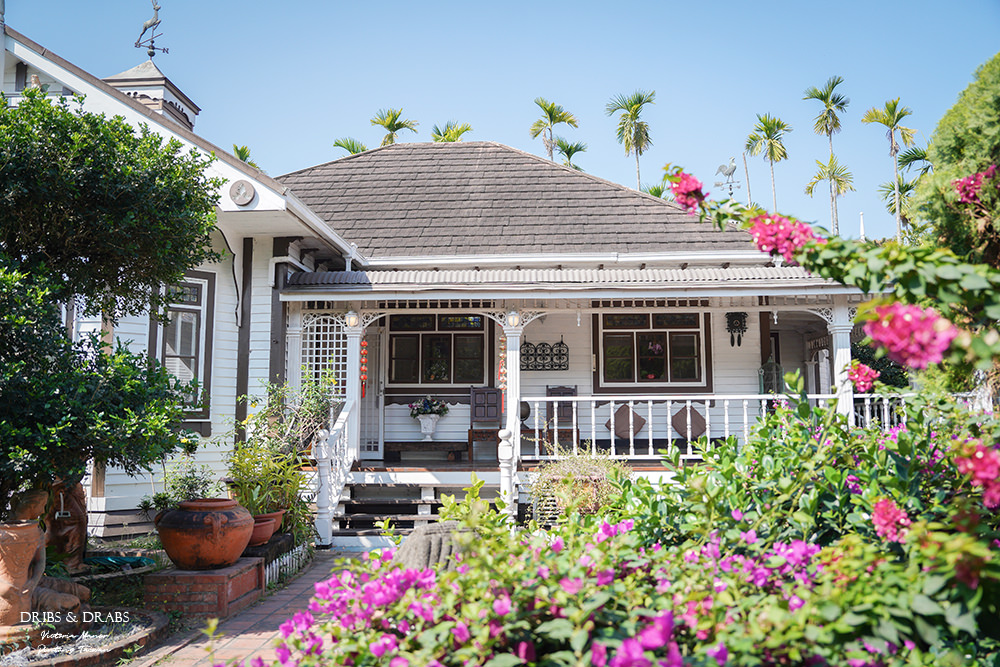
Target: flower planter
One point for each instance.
(277, 516)
(205, 534)
(427, 425)
(263, 528)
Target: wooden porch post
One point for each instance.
(840, 339)
(512, 329)
(293, 335)
(354, 331)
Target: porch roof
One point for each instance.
(762, 279)
(486, 199)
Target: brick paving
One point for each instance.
(248, 634)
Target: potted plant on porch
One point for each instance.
(428, 411)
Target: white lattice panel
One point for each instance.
(324, 348)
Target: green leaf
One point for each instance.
(927, 631)
(934, 583)
(558, 629)
(579, 639)
(925, 606)
(504, 660)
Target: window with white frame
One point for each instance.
(186, 346)
(657, 349)
(437, 349)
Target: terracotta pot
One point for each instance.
(204, 534)
(263, 529)
(22, 563)
(277, 516)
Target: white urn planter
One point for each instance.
(427, 425)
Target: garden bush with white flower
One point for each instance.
(815, 543)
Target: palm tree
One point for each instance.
(656, 189)
(451, 131)
(633, 133)
(767, 138)
(552, 115)
(351, 145)
(243, 153)
(902, 188)
(891, 116)
(914, 155)
(392, 121)
(828, 123)
(841, 180)
(568, 150)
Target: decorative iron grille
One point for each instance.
(544, 357)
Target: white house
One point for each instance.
(609, 319)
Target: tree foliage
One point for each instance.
(966, 141)
(63, 404)
(110, 212)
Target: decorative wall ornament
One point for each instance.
(544, 357)
(736, 325)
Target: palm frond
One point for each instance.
(242, 153)
(351, 145)
(836, 173)
(393, 122)
(451, 131)
(567, 150)
(656, 189)
(913, 157)
(828, 122)
(767, 138)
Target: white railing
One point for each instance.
(645, 425)
(334, 458)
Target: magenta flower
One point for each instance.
(968, 188)
(862, 376)
(778, 235)
(502, 605)
(571, 586)
(461, 632)
(913, 336)
(657, 633)
(737, 515)
(557, 545)
(283, 653)
(630, 655)
(890, 521)
(750, 536)
(605, 577)
(599, 655)
(687, 192)
(399, 661)
(525, 651)
(720, 653)
(982, 463)
(384, 644)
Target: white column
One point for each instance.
(512, 330)
(811, 377)
(508, 490)
(840, 335)
(324, 503)
(352, 393)
(293, 338)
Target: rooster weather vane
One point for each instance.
(150, 26)
(727, 170)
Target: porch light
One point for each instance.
(513, 318)
(352, 319)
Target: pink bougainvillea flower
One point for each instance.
(862, 376)
(630, 655)
(982, 463)
(687, 192)
(657, 633)
(890, 521)
(571, 586)
(913, 336)
(399, 661)
(525, 651)
(557, 545)
(283, 653)
(750, 536)
(461, 632)
(605, 577)
(720, 653)
(599, 655)
(381, 646)
(778, 235)
(968, 188)
(737, 515)
(502, 605)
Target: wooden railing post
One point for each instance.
(508, 490)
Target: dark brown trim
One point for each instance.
(243, 340)
(276, 362)
(398, 397)
(765, 336)
(202, 428)
(598, 388)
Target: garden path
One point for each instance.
(251, 632)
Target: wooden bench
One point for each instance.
(455, 448)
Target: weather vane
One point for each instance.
(150, 27)
(728, 170)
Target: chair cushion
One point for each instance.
(622, 423)
(680, 423)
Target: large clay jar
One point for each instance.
(205, 534)
(22, 564)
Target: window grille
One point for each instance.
(324, 349)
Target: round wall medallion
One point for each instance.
(241, 192)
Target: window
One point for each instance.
(653, 349)
(186, 346)
(437, 349)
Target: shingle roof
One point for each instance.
(484, 198)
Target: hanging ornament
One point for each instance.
(502, 372)
(364, 367)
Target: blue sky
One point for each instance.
(289, 78)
